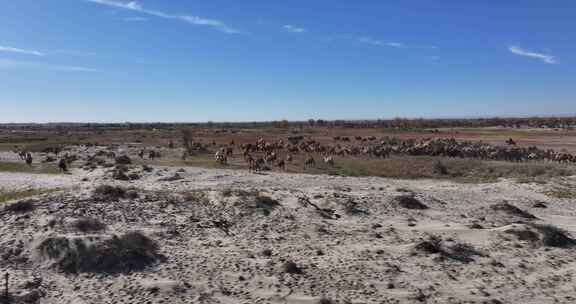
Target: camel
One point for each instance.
(29, 159)
(229, 151)
(269, 158)
(22, 155)
(254, 165)
(329, 160)
(282, 165)
(221, 157)
(309, 162)
(62, 167)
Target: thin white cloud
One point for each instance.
(399, 45)
(194, 20)
(135, 19)
(8, 49)
(294, 29)
(520, 52)
(72, 68)
(72, 53)
(17, 64)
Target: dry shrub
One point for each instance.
(120, 175)
(109, 193)
(351, 207)
(130, 252)
(325, 300)
(543, 235)
(553, 236)
(228, 192)
(265, 204)
(525, 235)
(540, 205)
(20, 207)
(88, 225)
(291, 268)
(448, 249)
(123, 160)
(410, 202)
(512, 210)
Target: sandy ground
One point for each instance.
(362, 246)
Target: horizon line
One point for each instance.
(298, 121)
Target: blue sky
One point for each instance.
(230, 60)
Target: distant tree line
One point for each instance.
(395, 123)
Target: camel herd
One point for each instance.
(265, 154)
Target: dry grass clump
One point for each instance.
(86, 225)
(20, 207)
(123, 160)
(228, 192)
(291, 268)
(109, 193)
(543, 235)
(541, 205)
(553, 236)
(120, 175)
(512, 210)
(265, 204)
(410, 202)
(325, 300)
(130, 252)
(447, 249)
(351, 207)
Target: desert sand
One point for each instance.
(224, 236)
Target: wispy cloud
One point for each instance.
(135, 19)
(17, 64)
(8, 49)
(72, 53)
(399, 45)
(72, 68)
(520, 52)
(294, 29)
(194, 20)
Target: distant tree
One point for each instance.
(284, 124)
(187, 138)
(311, 122)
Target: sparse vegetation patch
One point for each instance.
(132, 251)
